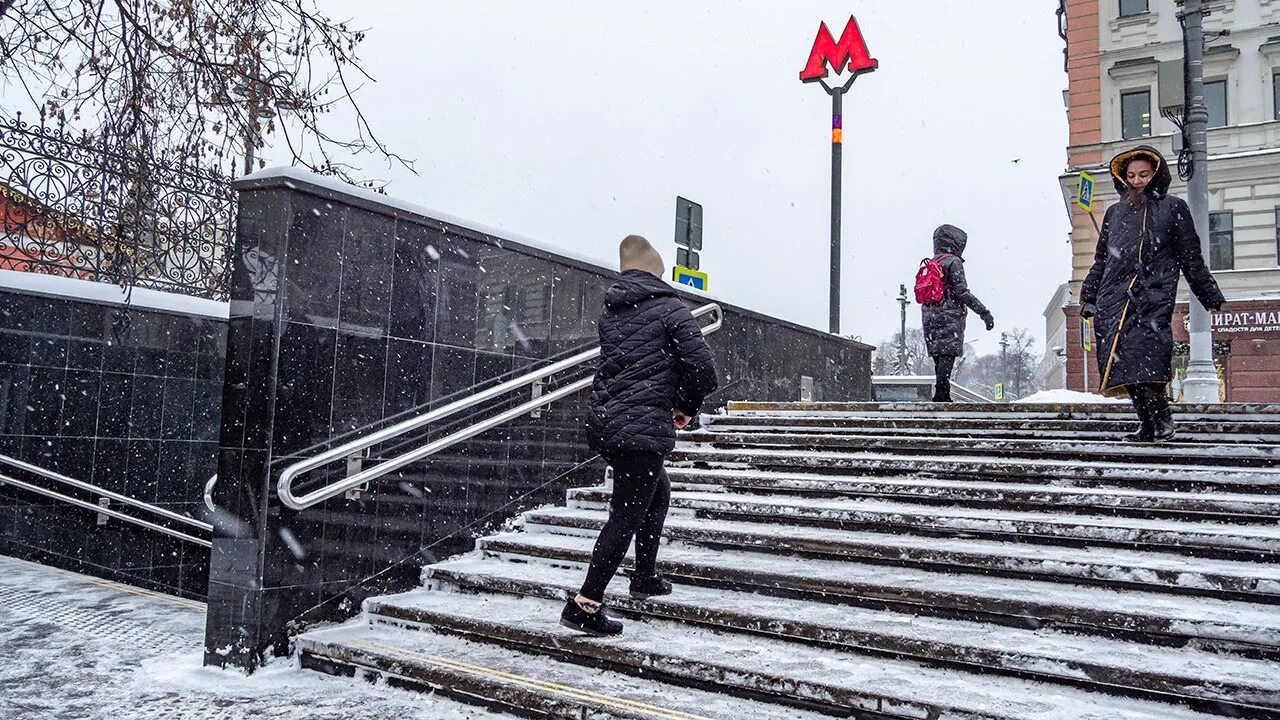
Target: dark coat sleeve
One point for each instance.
(954, 277)
(695, 366)
(1092, 281)
(1186, 245)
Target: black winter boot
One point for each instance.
(1161, 414)
(644, 587)
(596, 624)
(1145, 432)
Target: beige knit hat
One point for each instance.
(635, 253)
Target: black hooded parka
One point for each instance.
(944, 321)
(1133, 283)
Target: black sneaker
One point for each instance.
(644, 587)
(596, 624)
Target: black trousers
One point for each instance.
(942, 367)
(638, 508)
(1149, 400)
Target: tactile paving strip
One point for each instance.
(112, 627)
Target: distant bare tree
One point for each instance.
(918, 360)
(194, 80)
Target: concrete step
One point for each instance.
(1097, 664)
(524, 684)
(1189, 432)
(1260, 542)
(1050, 411)
(1117, 452)
(1106, 567)
(1137, 602)
(1217, 506)
(822, 677)
(952, 465)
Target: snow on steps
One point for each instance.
(1233, 507)
(1160, 534)
(953, 465)
(1156, 672)
(889, 574)
(1252, 455)
(1147, 615)
(753, 666)
(1105, 566)
(520, 683)
(1038, 411)
(1110, 429)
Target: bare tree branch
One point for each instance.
(195, 80)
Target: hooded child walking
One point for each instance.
(944, 321)
(1148, 239)
(655, 371)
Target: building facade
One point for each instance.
(1124, 63)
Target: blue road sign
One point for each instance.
(687, 276)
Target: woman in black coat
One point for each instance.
(1147, 239)
(655, 372)
(944, 322)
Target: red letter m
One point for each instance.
(851, 49)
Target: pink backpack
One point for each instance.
(930, 285)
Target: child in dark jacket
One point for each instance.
(655, 371)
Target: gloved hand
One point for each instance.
(1088, 310)
(989, 320)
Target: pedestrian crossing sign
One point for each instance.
(1084, 194)
(999, 392)
(1086, 334)
(692, 278)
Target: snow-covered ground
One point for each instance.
(79, 648)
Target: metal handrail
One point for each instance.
(81, 485)
(6, 480)
(284, 487)
(208, 493)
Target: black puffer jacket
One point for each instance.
(1134, 280)
(653, 360)
(944, 322)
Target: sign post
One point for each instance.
(1084, 198)
(850, 51)
(688, 245)
(1086, 344)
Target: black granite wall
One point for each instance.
(138, 417)
(349, 313)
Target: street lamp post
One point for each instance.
(1004, 359)
(1201, 385)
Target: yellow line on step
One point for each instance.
(566, 690)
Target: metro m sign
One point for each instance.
(851, 49)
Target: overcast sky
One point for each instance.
(576, 123)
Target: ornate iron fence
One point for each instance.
(72, 206)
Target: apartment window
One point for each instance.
(1278, 236)
(1135, 114)
(1275, 92)
(1215, 99)
(1132, 7)
(1222, 249)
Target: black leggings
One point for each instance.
(942, 367)
(638, 508)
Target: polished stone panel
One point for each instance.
(126, 414)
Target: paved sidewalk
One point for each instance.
(76, 647)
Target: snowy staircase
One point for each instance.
(884, 561)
